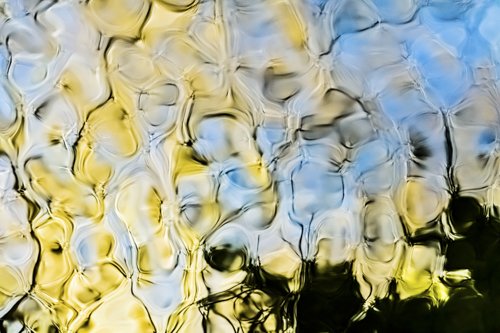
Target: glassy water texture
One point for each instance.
(249, 166)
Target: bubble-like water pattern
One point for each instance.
(249, 166)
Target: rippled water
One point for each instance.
(249, 166)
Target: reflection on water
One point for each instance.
(249, 166)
